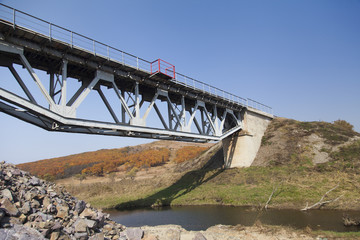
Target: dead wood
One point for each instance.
(322, 202)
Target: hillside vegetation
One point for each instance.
(298, 162)
(106, 161)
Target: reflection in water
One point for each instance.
(202, 217)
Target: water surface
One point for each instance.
(202, 217)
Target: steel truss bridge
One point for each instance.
(184, 108)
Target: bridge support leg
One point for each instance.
(240, 148)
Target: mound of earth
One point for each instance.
(287, 139)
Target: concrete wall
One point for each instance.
(240, 149)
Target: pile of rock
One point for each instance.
(28, 203)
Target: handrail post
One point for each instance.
(72, 39)
(108, 52)
(94, 47)
(50, 31)
(14, 11)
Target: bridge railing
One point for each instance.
(31, 23)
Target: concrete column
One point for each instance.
(240, 149)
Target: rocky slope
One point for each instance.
(35, 209)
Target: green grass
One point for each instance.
(298, 181)
(246, 186)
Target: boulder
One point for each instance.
(199, 236)
(26, 208)
(80, 206)
(46, 202)
(98, 236)
(6, 193)
(9, 208)
(80, 225)
(91, 223)
(20, 232)
(34, 181)
(62, 211)
(88, 213)
(134, 233)
(81, 236)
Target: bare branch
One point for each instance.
(270, 197)
(321, 202)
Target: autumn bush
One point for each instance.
(187, 153)
(96, 163)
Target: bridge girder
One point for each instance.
(209, 118)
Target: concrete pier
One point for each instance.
(240, 148)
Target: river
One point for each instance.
(201, 217)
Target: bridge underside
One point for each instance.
(179, 111)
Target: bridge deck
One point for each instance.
(45, 46)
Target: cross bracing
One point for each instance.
(181, 111)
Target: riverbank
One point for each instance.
(222, 232)
(297, 165)
(295, 187)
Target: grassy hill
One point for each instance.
(106, 161)
(300, 160)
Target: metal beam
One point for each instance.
(108, 106)
(22, 84)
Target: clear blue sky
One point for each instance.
(300, 57)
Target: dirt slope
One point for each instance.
(288, 141)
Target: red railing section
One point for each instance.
(163, 67)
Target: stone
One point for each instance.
(149, 237)
(51, 208)
(54, 235)
(80, 206)
(28, 196)
(7, 194)
(35, 203)
(62, 211)
(134, 233)
(98, 236)
(22, 218)
(18, 205)
(45, 217)
(34, 181)
(199, 236)
(80, 225)
(2, 213)
(64, 236)
(88, 213)
(100, 218)
(20, 232)
(81, 236)
(46, 202)
(108, 227)
(69, 230)
(44, 232)
(26, 208)
(9, 208)
(16, 172)
(90, 223)
(56, 226)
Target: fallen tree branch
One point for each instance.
(322, 202)
(270, 197)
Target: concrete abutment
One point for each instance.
(240, 148)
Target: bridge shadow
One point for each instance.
(187, 183)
